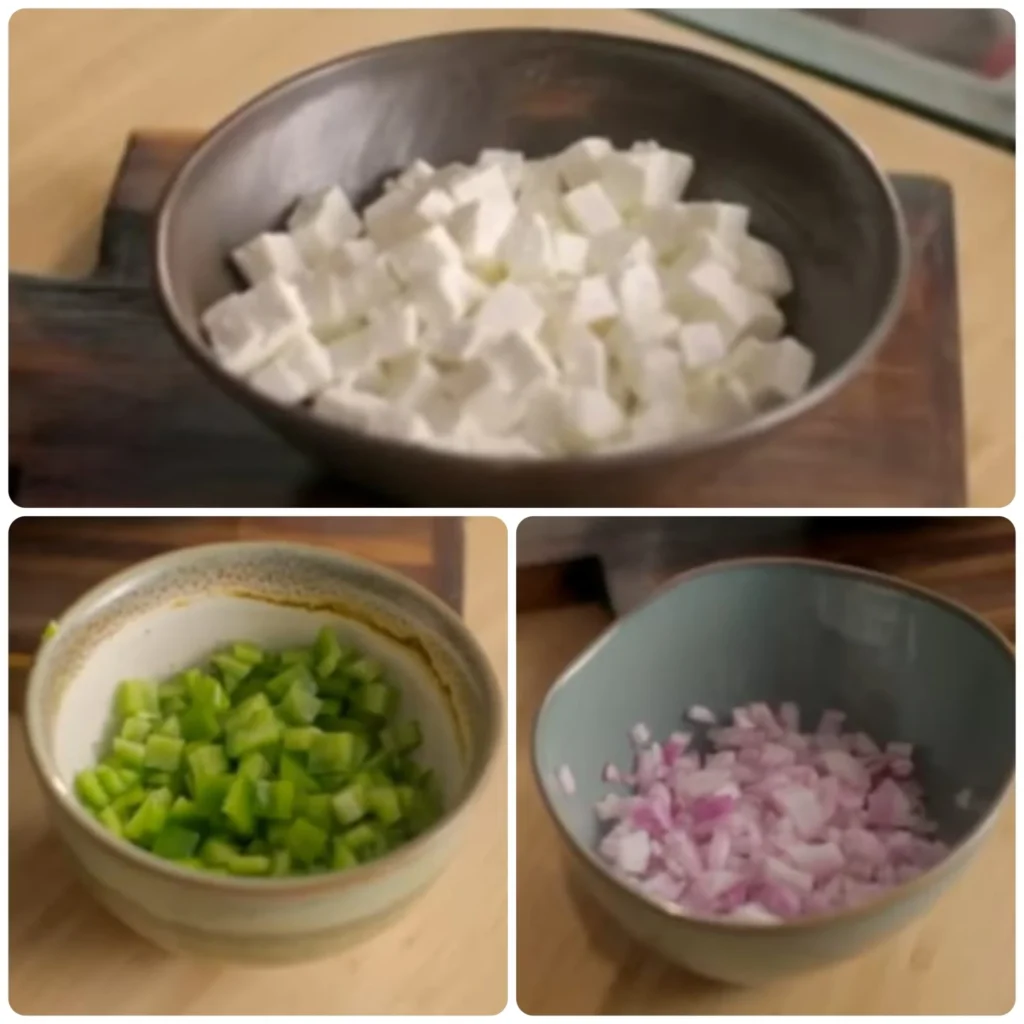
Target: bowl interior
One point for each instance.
(175, 611)
(902, 665)
(812, 191)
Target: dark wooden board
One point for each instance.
(55, 560)
(105, 410)
(969, 559)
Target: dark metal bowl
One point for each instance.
(814, 193)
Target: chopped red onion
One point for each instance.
(771, 824)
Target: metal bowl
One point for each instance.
(813, 191)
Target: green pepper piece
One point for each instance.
(187, 812)
(293, 772)
(277, 687)
(176, 842)
(317, 808)
(136, 728)
(277, 833)
(275, 800)
(343, 856)
(259, 730)
(136, 697)
(377, 701)
(248, 653)
(233, 670)
(365, 840)
(349, 804)
(239, 806)
(299, 706)
(208, 760)
(210, 792)
(254, 766)
(403, 737)
(206, 691)
(249, 864)
(90, 790)
(111, 781)
(364, 670)
(299, 738)
(149, 820)
(218, 851)
(129, 753)
(128, 802)
(337, 752)
(110, 820)
(170, 726)
(385, 804)
(200, 722)
(51, 630)
(306, 841)
(163, 752)
(326, 652)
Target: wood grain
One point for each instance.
(89, 357)
(447, 956)
(957, 959)
(55, 560)
(126, 69)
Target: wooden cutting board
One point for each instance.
(106, 411)
(956, 959)
(55, 560)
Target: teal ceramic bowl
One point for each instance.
(173, 611)
(902, 662)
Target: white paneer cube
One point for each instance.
(681, 168)
(476, 184)
(773, 370)
(763, 268)
(702, 246)
(701, 344)
(583, 358)
(540, 190)
(508, 309)
(619, 246)
(494, 409)
(659, 424)
(723, 402)
(637, 287)
(307, 359)
(592, 301)
(591, 417)
(446, 296)
(350, 353)
(590, 210)
(528, 249)
(401, 213)
(323, 297)
(571, 251)
(452, 344)
(368, 287)
(280, 383)
(510, 162)
(467, 378)
(394, 330)
(642, 178)
(518, 360)
(272, 253)
(412, 382)
(419, 173)
(350, 407)
(424, 253)
(543, 421)
(667, 228)
(354, 253)
(580, 163)
(729, 221)
(479, 227)
(321, 222)
(711, 289)
(656, 377)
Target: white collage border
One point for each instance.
(511, 517)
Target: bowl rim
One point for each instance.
(958, 852)
(198, 349)
(65, 801)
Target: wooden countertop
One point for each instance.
(448, 955)
(187, 69)
(956, 959)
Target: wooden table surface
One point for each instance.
(186, 69)
(957, 959)
(448, 955)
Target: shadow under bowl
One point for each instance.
(813, 191)
(904, 664)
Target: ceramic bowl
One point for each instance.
(903, 663)
(169, 613)
(813, 191)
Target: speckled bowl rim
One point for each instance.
(960, 852)
(197, 347)
(63, 797)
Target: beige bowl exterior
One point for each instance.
(263, 921)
